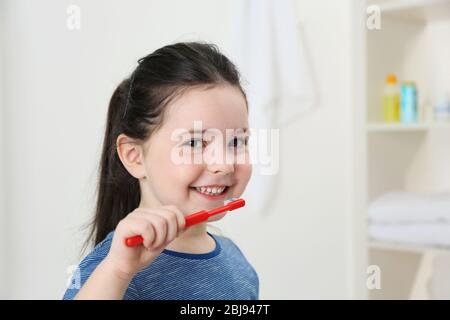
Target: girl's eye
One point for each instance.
(194, 143)
(238, 142)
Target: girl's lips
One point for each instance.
(212, 197)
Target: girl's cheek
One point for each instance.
(186, 174)
(242, 174)
(246, 172)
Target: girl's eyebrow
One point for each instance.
(203, 131)
(196, 131)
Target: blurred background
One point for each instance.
(359, 205)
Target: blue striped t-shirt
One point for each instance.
(223, 273)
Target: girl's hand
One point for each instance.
(158, 227)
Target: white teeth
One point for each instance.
(210, 191)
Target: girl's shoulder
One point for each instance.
(87, 266)
(98, 253)
(238, 257)
(105, 242)
(226, 242)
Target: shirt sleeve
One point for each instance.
(87, 266)
(255, 296)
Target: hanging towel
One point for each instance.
(271, 56)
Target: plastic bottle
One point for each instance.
(391, 100)
(408, 102)
(442, 108)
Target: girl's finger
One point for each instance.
(158, 221)
(181, 220)
(161, 227)
(172, 225)
(136, 225)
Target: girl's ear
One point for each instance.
(131, 154)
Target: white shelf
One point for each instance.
(405, 247)
(416, 10)
(394, 127)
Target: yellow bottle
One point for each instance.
(391, 100)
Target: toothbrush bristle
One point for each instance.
(237, 203)
(229, 200)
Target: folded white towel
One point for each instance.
(410, 208)
(437, 235)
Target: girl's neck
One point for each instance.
(195, 240)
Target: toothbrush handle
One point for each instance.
(134, 241)
(190, 220)
(197, 217)
(194, 218)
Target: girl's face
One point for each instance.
(196, 171)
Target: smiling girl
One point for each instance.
(144, 190)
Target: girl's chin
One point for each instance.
(217, 217)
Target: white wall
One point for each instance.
(311, 244)
(59, 83)
(2, 167)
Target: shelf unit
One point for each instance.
(418, 127)
(414, 44)
(387, 127)
(418, 11)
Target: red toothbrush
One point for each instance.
(195, 218)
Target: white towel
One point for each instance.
(295, 90)
(271, 56)
(437, 234)
(398, 207)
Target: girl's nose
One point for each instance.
(224, 168)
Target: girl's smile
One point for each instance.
(212, 192)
